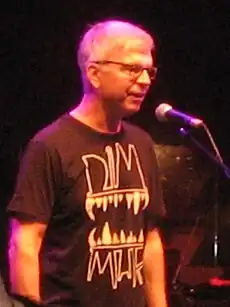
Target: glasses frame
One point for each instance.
(134, 70)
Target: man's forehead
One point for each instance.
(133, 52)
(135, 45)
(131, 46)
(141, 58)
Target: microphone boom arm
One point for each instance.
(216, 158)
(219, 162)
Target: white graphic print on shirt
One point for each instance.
(111, 233)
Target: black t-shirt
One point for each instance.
(97, 193)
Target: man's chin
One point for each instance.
(134, 104)
(131, 110)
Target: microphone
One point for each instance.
(164, 112)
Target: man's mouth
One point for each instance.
(137, 95)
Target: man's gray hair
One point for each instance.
(98, 43)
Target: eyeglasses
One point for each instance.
(134, 70)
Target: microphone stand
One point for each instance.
(220, 164)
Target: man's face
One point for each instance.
(124, 79)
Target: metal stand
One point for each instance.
(217, 159)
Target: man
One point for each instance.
(87, 204)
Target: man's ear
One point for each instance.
(93, 75)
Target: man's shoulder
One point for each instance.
(52, 137)
(56, 131)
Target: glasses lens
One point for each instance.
(152, 72)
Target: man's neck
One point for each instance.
(90, 112)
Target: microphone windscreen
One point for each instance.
(161, 111)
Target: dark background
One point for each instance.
(39, 80)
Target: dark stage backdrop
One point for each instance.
(39, 80)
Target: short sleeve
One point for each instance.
(36, 183)
(156, 211)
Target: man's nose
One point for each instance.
(144, 77)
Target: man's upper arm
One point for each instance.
(24, 247)
(26, 236)
(36, 184)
